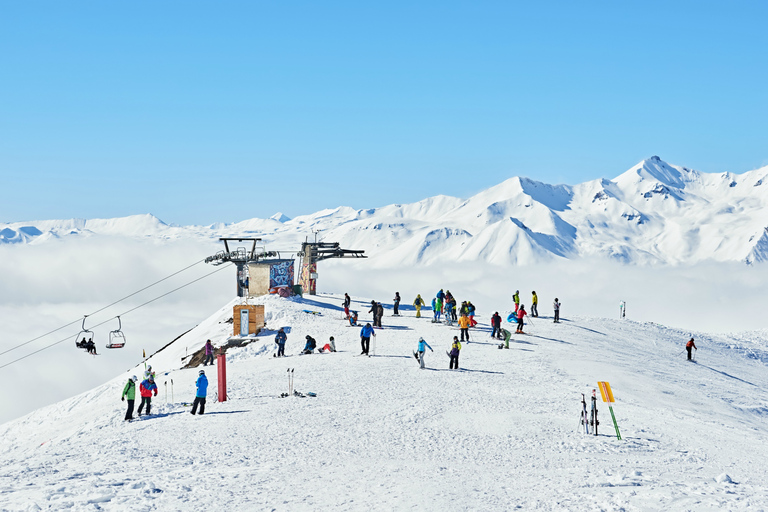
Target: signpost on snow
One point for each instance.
(607, 394)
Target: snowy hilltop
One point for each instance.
(500, 433)
(654, 213)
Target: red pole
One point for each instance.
(222, 364)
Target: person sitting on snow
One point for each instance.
(353, 318)
(310, 346)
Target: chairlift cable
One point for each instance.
(68, 338)
(100, 310)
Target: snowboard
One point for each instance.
(312, 312)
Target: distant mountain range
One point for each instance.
(654, 213)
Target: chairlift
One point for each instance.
(86, 334)
(117, 337)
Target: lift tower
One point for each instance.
(241, 257)
(312, 252)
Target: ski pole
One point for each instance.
(172, 400)
(165, 385)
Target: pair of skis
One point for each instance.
(589, 419)
(293, 392)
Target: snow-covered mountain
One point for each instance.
(654, 213)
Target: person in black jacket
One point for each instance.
(496, 324)
(397, 304)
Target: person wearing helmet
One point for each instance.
(130, 391)
(202, 392)
(516, 298)
(149, 373)
(520, 315)
(146, 388)
(423, 346)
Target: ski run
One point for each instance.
(503, 432)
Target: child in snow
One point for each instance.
(556, 306)
(280, 339)
(454, 353)
(520, 314)
(365, 338)
(423, 346)
(690, 345)
(417, 303)
(202, 391)
(130, 391)
(146, 388)
(310, 346)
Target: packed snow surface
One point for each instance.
(500, 433)
(654, 213)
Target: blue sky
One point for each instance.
(202, 112)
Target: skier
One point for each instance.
(130, 391)
(146, 388)
(454, 353)
(453, 309)
(435, 311)
(471, 314)
(690, 345)
(380, 311)
(353, 318)
(556, 305)
(347, 302)
(310, 346)
(423, 346)
(520, 314)
(449, 305)
(375, 310)
(202, 392)
(464, 326)
(440, 299)
(208, 353)
(417, 303)
(496, 324)
(516, 298)
(535, 305)
(507, 335)
(397, 304)
(365, 338)
(280, 339)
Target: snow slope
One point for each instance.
(499, 434)
(654, 213)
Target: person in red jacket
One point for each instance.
(520, 314)
(690, 345)
(147, 386)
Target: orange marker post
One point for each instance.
(607, 394)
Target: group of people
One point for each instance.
(148, 389)
(89, 345)
(453, 364)
(311, 345)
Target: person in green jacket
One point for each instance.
(130, 391)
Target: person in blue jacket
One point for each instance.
(423, 346)
(202, 392)
(310, 346)
(280, 339)
(365, 338)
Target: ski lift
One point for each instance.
(116, 337)
(85, 333)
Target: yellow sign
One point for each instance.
(605, 392)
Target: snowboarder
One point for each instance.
(310, 346)
(208, 353)
(520, 314)
(535, 305)
(464, 326)
(202, 392)
(146, 388)
(454, 354)
(347, 302)
(397, 304)
(353, 318)
(365, 338)
(690, 345)
(417, 303)
(496, 324)
(516, 298)
(423, 346)
(556, 305)
(130, 391)
(280, 339)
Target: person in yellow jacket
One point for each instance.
(454, 354)
(535, 305)
(464, 326)
(418, 303)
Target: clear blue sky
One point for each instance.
(200, 112)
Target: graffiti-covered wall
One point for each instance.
(280, 275)
(307, 283)
(268, 276)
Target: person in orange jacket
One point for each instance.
(690, 345)
(464, 326)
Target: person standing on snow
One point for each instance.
(520, 315)
(464, 326)
(690, 345)
(347, 302)
(535, 305)
(435, 312)
(397, 304)
(130, 391)
(440, 299)
(454, 353)
(556, 306)
(516, 298)
(149, 373)
(471, 314)
(453, 309)
(423, 346)
(146, 388)
(208, 353)
(202, 392)
(496, 324)
(380, 312)
(365, 338)
(449, 312)
(375, 311)
(280, 339)
(417, 303)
